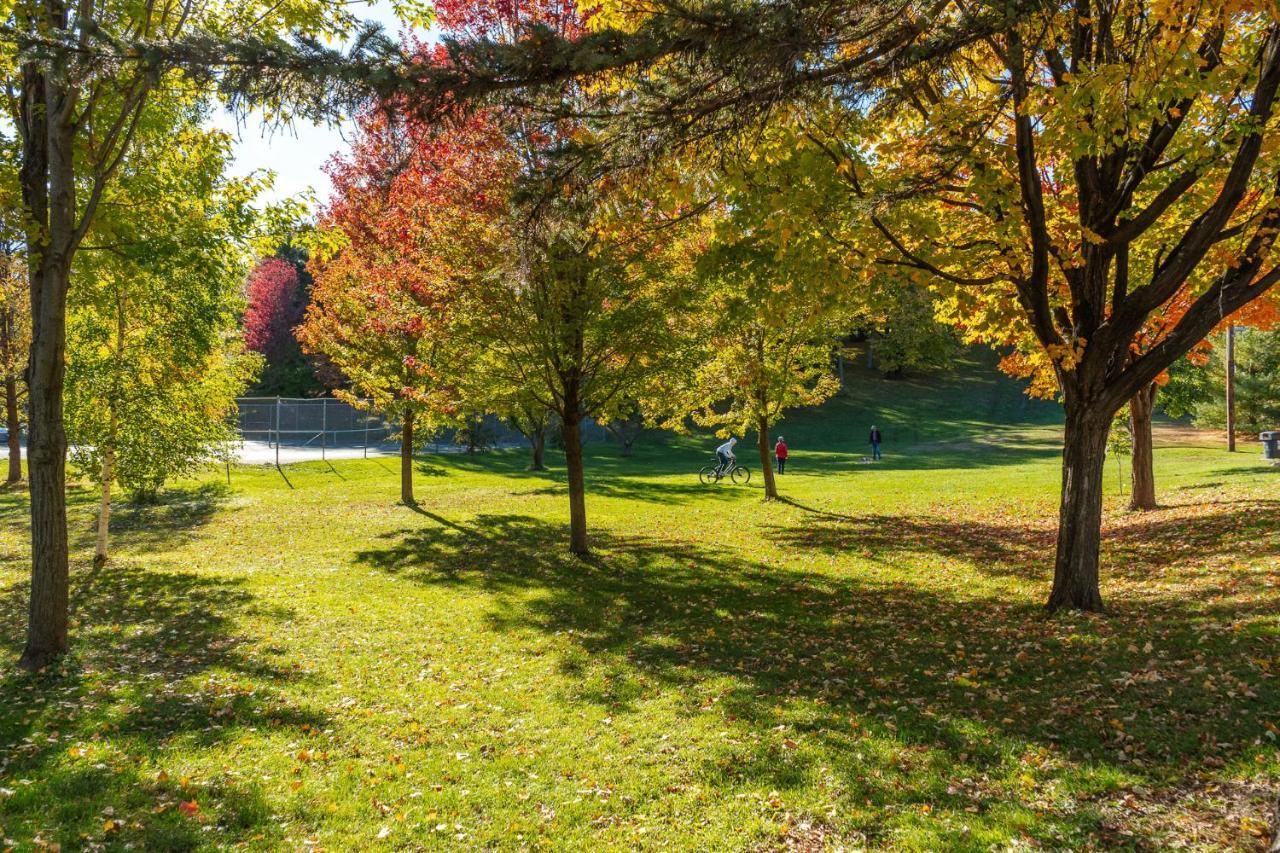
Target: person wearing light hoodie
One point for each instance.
(725, 454)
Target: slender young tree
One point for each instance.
(154, 364)
(415, 213)
(581, 319)
(765, 343)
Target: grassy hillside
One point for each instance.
(298, 662)
(968, 399)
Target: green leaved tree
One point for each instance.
(765, 339)
(155, 361)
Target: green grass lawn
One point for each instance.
(305, 664)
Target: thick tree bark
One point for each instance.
(406, 461)
(48, 184)
(766, 459)
(577, 485)
(1075, 579)
(46, 463)
(14, 423)
(104, 509)
(1143, 478)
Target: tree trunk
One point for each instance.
(406, 461)
(627, 445)
(48, 179)
(46, 464)
(766, 459)
(1141, 406)
(538, 441)
(14, 424)
(1231, 389)
(104, 509)
(1075, 579)
(577, 484)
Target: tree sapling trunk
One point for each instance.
(406, 460)
(577, 485)
(766, 459)
(104, 509)
(14, 423)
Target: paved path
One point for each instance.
(264, 452)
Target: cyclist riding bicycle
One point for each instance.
(725, 454)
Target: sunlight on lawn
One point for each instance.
(865, 664)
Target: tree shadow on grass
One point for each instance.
(169, 521)
(157, 664)
(1163, 551)
(655, 491)
(927, 695)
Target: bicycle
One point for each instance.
(713, 474)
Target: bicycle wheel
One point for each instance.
(741, 476)
(707, 475)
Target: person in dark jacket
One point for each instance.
(875, 443)
(780, 454)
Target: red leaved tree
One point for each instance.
(272, 309)
(415, 210)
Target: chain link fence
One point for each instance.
(318, 422)
(291, 429)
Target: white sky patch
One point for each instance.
(297, 153)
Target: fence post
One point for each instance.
(277, 431)
(366, 437)
(324, 425)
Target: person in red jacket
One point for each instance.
(780, 454)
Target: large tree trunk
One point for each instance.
(14, 423)
(48, 157)
(406, 460)
(46, 464)
(104, 509)
(1144, 479)
(766, 459)
(577, 484)
(1075, 579)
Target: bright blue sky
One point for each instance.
(295, 154)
